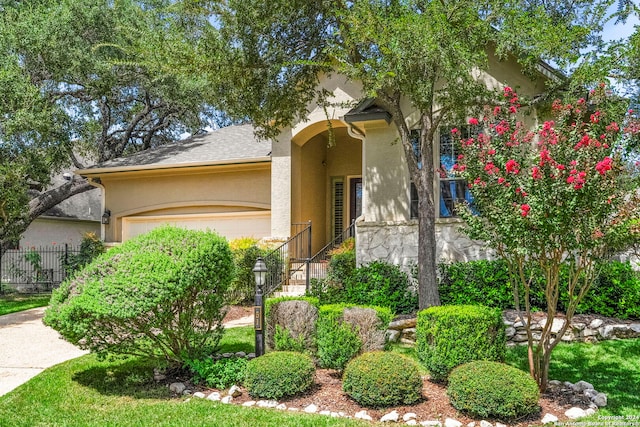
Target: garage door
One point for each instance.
(231, 225)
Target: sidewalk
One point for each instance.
(27, 347)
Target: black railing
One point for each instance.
(317, 266)
(34, 270)
(294, 252)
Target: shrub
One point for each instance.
(614, 293)
(382, 284)
(344, 331)
(245, 252)
(278, 374)
(159, 295)
(338, 343)
(486, 389)
(220, 374)
(90, 247)
(331, 289)
(380, 378)
(291, 323)
(448, 336)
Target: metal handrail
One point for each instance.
(279, 260)
(318, 263)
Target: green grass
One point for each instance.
(613, 367)
(86, 392)
(15, 303)
(238, 339)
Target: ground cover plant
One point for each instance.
(160, 295)
(13, 303)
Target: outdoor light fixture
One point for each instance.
(260, 272)
(106, 216)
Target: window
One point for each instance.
(453, 191)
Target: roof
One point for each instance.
(367, 110)
(233, 144)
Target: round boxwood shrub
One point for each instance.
(278, 374)
(486, 389)
(379, 378)
(448, 336)
(160, 295)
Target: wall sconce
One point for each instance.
(106, 216)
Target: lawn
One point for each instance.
(87, 392)
(14, 303)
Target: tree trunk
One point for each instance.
(427, 284)
(47, 200)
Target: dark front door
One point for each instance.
(355, 198)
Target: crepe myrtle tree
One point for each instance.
(562, 195)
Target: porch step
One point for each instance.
(291, 290)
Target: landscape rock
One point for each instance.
(227, 399)
(581, 386)
(500, 425)
(311, 409)
(411, 422)
(362, 415)
(235, 391)
(267, 403)
(590, 411)
(327, 413)
(596, 323)
(549, 418)
(575, 413)
(600, 400)
(199, 395)
(241, 354)
(392, 416)
(450, 422)
(484, 423)
(409, 416)
(471, 424)
(431, 423)
(177, 388)
(399, 325)
(158, 376)
(590, 393)
(393, 335)
(249, 403)
(281, 406)
(214, 396)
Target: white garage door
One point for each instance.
(231, 225)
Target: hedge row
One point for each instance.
(615, 292)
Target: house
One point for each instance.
(228, 181)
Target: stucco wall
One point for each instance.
(57, 231)
(183, 191)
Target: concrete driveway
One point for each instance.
(27, 347)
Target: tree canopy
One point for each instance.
(426, 52)
(72, 87)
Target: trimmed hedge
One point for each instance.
(278, 374)
(291, 323)
(339, 341)
(378, 379)
(615, 292)
(161, 294)
(485, 389)
(448, 336)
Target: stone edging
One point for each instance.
(597, 329)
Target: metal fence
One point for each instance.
(34, 270)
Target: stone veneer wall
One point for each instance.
(594, 330)
(397, 242)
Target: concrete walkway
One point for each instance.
(27, 347)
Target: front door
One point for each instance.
(355, 198)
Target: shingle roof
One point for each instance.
(231, 143)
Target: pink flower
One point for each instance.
(496, 111)
(613, 127)
(535, 173)
(455, 131)
(512, 166)
(501, 180)
(605, 165)
(524, 209)
(473, 121)
(513, 109)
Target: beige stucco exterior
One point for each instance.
(198, 197)
(44, 231)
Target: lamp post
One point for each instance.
(260, 271)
